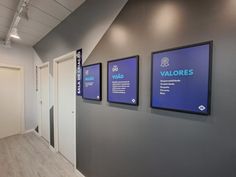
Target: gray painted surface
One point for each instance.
(82, 29)
(52, 126)
(122, 141)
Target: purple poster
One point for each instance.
(181, 79)
(123, 81)
(92, 82)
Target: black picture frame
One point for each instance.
(210, 43)
(137, 80)
(100, 81)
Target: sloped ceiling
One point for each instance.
(82, 29)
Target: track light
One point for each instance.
(14, 33)
(24, 13)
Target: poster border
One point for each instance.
(137, 80)
(100, 82)
(210, 43)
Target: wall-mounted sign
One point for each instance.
(92, 82)
(79, 72)
(122, 80)
(181, 78)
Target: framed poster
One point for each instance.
(181, 78)
(122, 81)
(79, 72)
(92, 82)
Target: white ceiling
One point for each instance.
(44, 15)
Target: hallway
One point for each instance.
(29, 156)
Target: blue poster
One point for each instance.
(181, 79)
(92, 82)
(79, 72)
(123, 81)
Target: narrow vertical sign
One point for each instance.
(79, 72)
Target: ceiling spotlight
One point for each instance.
(24, 14)
(14, 33)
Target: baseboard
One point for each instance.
(52, 148)
(28, 131)
(78, 173)
(37, 133)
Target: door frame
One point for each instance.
(56, 61)
(46, 64)
(22, 93)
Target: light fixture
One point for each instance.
(21, 12)
(14, 33)
(24, 13)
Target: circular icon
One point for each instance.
(165, 62)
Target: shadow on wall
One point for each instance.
(122, 106)
(92, 102)
(174, 114)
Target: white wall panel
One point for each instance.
(4, 22)
(6, 13)
(71, 4)
(51, 7)
(38, 16)
(20, 55)
(11, 4)
(36, 26)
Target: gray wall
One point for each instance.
(123, 141)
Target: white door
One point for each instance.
(44, 101)
(10, 101)
(66, 108)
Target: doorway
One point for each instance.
(11, 100)
(65, 105)
(43, 78)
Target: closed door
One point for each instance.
(10, 101)
(44, 101)
(66, 108)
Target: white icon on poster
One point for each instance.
(165, 62)
(201, 108)
(115, 68)
(78, 55)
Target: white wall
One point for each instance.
(23, 56)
